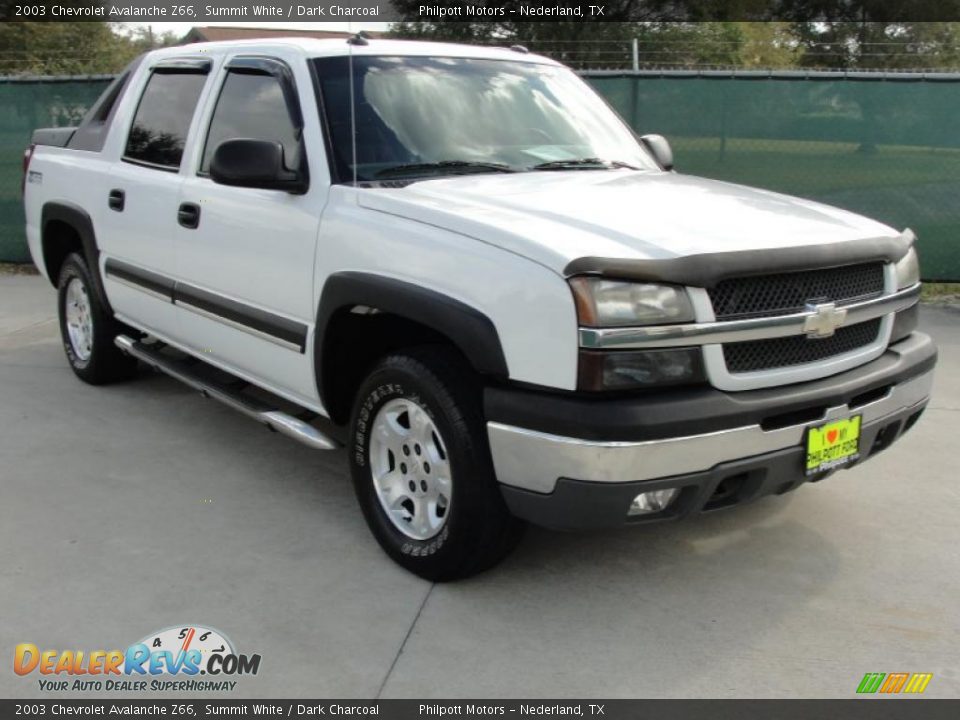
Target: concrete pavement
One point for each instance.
(134, 507)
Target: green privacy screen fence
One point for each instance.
(886, 145)
(26, 104)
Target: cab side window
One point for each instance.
(160, 126)
(251, 106)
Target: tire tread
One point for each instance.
(492, 531)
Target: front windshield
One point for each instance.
(423, 116)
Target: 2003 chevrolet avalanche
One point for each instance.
(462, 265)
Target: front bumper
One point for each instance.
(573, 463)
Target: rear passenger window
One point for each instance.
(163, 118)
(251, 106)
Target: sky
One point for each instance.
(183, 28)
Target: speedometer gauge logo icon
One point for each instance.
(181, 639)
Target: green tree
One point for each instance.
(885, 45)
(70, 48)
(490, 27)
(768, 45)
(696, 33)
(691, 44)
(575, 42)
(589, 45)
(874, 34)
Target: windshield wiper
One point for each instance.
(583, 164)
(444, 165)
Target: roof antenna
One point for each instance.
(353, 101)
(360, 38)
(520, 49)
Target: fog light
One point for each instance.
(652, 501)
(626, 370)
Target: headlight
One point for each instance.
(908, 270)
(614, 303)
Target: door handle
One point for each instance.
(116, 200)
(189, 215)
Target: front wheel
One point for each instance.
(87, 328)
(421, 467)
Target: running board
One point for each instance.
(276, 420)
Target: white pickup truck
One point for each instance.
(462, 265)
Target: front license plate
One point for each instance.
(832, 445)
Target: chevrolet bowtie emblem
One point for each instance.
(824, 321)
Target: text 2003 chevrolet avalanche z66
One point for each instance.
(459, 263)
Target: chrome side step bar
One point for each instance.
(276, 420)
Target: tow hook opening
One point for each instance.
(912, 420)
(885, 437)
(735, 489)
(726, 492)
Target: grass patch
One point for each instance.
(940, 292)
(815, 168)
(18, 269)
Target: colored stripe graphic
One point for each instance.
(918, 682)
(894, 682)
(870, 683)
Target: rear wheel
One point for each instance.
(421, 467)
(87, 328)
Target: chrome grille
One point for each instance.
(783, 352)
(786, 293)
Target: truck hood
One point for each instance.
(554, 218)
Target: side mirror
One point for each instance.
(658, 146)
(254, 164)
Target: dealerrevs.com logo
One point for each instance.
(173, 659)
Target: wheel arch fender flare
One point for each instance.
(79, 220)
(470, 330)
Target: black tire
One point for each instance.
(105, 362)
(479, 531)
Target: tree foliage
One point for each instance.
(663, 44)
(71, 48)
(730, 33)
(870, 44)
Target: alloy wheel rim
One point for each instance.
(411, 469)
(79, 319)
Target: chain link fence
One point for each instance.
(885, 145)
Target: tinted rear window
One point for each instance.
(92, 132)
(163, 118)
